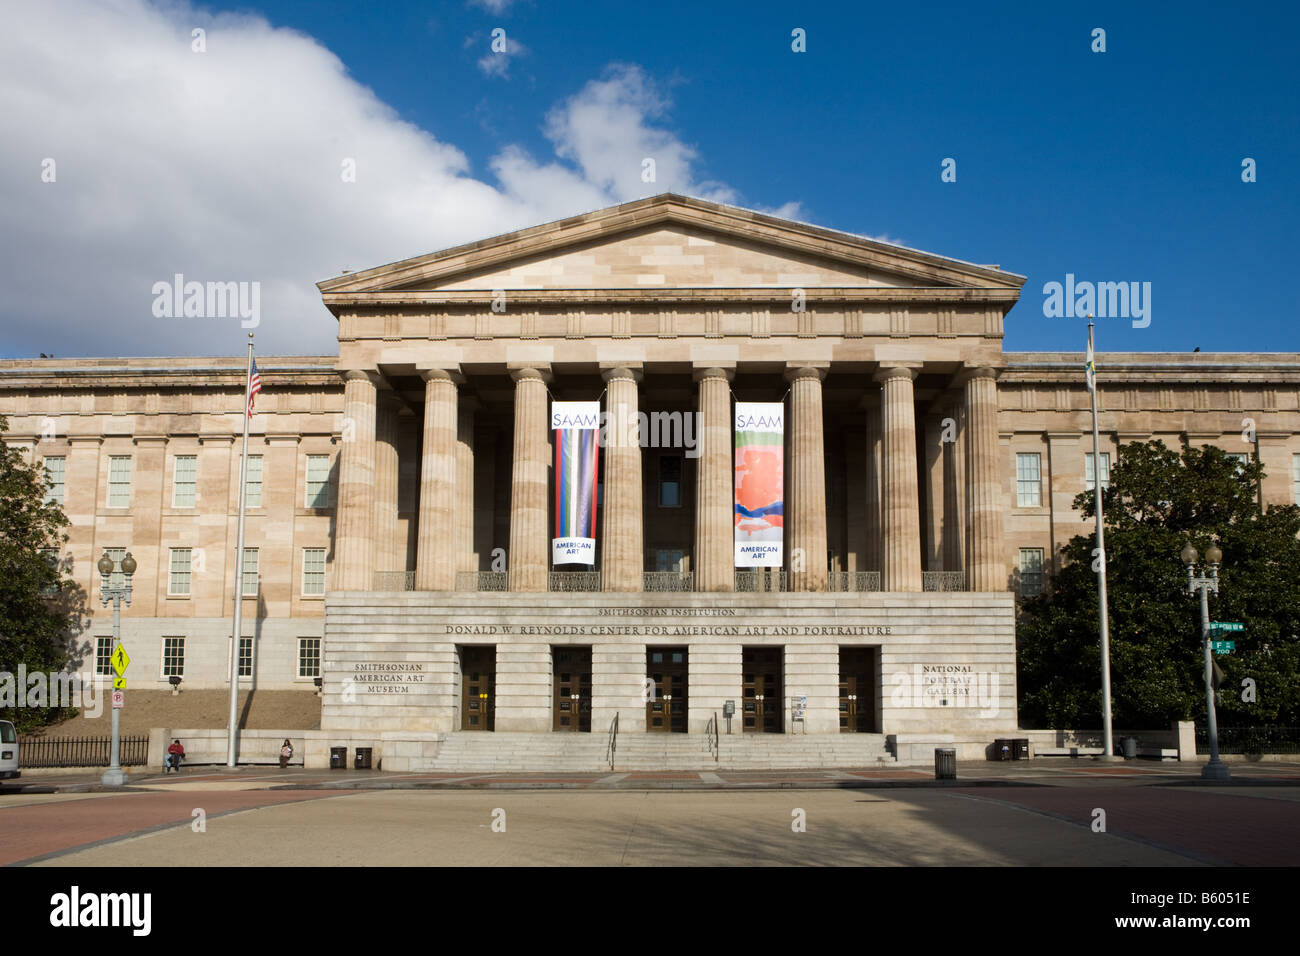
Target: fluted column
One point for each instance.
(933, 496)
(954, 491)
(622, 542)
(875, 554)
(986, 568)
(436, 546)
(715, 522)
(528, 480)
(466, 556)
(354, 540)
(900, 498)
(390, 554)
(808, 481)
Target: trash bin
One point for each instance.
(945, 763)
(338, 758)
(1019, 748)
(1129, 747)
(362, 759)
(1001, 749)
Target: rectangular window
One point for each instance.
(103, 656)
(1028, 481)
(55, 471)
(1241, 458)
(245, 657)
(117, 579)
(318, 481)
(178, 578)
(1031, 571)
(670, 481)
(1089, 476)
(183, 480)
(173, 657)
(309, 657)
(119, 481)
(313, 571)
(249, 590)
(668, 559)
(253, 482)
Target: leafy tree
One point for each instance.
(39, 610)
(1159, 499)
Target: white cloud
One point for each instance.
(226, 166)
(497, 62)
(495, 7)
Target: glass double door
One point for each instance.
(761, 702)
(478, 681)
(666, 690)
(858, 690)
(571, 680)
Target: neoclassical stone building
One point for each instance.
(404, 493)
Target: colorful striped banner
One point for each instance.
(577, 427)
(760, 484)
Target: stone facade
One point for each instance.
(406, 483)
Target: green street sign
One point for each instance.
(1223, 647)
(1227, 626)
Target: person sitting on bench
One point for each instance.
(175, 754)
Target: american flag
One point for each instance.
(254, 386)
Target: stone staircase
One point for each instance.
(585, 753)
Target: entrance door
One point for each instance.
(665, 711)
(857, 690)
(763, 706)
(572, 683)
(478, 681)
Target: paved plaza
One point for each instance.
(1039, 814)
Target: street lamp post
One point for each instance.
(1215, 769)
(113, 776)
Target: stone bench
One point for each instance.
(1069, 751)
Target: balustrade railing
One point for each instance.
(481, 581)
(669, 581)
(573, 581)
(853, 581)
(943, 580)
(394, 580)
(761, 580)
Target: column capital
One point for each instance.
(362, 375)
(713, 371)
(623, 373)
(795, 371)
(540, 372)
(452, 375)
(891, 372)
(978, 372)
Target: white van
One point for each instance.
(8, 750)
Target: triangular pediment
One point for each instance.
(672, 242)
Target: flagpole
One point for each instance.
(239, 566)
(1108, 741)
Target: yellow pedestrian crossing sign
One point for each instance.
(121, 660)
(119, 683)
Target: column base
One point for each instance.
(113, 778)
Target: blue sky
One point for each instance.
(1117, 166)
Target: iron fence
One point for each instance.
(573, 581)
(394, 580)
(481, 581)
(761, 579)
(1251, 740)
(81, 751)
(853, 581)
(943, 580)
(669, 581)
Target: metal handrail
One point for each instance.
(613, 741)
(715, 740)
